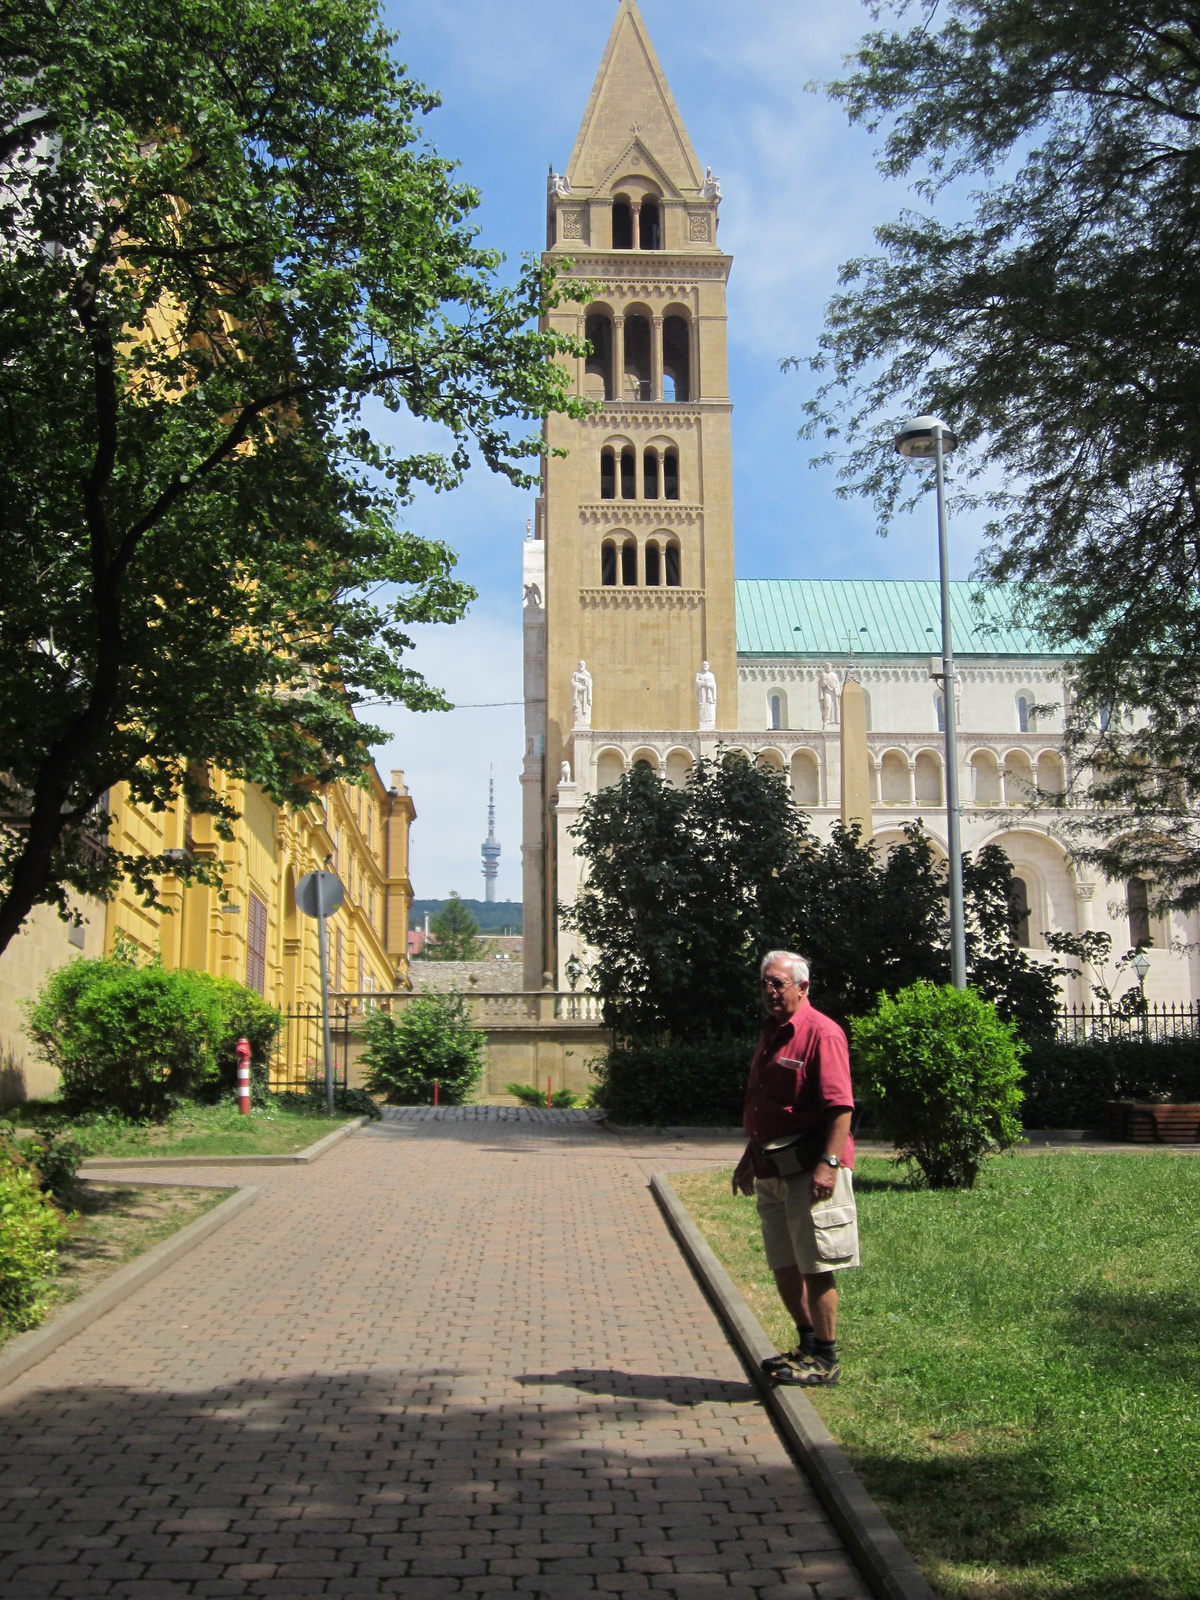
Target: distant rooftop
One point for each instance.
(882, 616)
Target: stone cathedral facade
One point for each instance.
(640, 646)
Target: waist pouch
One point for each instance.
(787, 1158)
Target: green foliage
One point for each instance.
(31, 1230)
(1070, 1085)
(356, 1102)
(530, 1095)
(52, 1154)
(456, 932)
(433, 1040)
(225, 238)
(699, 1082)
(1048, 310)
(941, 1073)
(687, 889)
(136, 1040)
(246, 1016)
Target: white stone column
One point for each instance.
(912, 780)
(656, 358)
(566, 812)
(618, 374)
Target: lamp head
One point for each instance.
(1141, 965)
(917, 438)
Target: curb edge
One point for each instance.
(886, 1565)
(300, 1158)
(27, 1349)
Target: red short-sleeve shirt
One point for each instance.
(799, 1077)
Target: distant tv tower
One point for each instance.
(490, 849)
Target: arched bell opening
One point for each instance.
(597, 372)
(629, 564)
(622, 223)
(653, 565)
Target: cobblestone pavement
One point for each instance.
(458, 1355)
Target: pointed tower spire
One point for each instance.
(630, 101)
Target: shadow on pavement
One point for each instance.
(679, 1391)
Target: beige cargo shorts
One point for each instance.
(820, 1238)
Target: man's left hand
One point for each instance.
(821, 1184)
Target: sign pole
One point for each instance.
(323, 946)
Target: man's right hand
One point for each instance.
(743, 1176)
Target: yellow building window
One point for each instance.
(256, 945)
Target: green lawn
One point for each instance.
(1020, 1383)
(218, 1130)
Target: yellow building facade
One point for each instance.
(251, 929)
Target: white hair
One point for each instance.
(797, 963)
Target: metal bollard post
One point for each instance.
(435, 1088)
(243, 1076)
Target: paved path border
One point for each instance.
(885, 1563)
(300, 1158)
(28, 1349)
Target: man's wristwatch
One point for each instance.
(831, 1161)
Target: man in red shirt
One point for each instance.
(798, 1162)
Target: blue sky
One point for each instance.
(801, 195)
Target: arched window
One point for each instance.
(929, 779)
(650, 475)
(608, 564)
(673, 566)
(1137, 903)
(622, 218)
(939, 706)
(777, 707)
(1105, 718)
(648, 228)
(628, 474)
(637, 359)
(1026, 721)
(670, 467)
(1018, 913)
(867, 709)
(629, 564)
(597, 379)
(676, 358)
(653, 566)
(806, 779)
(608, 475)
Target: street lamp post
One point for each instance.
(929, 439)
(1141, 965)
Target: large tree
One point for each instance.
(222, 237)
(686, 890)
(1047, 303)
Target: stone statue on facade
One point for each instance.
(711, 187)
(565, 775)
(557, 184)
(581, 696)
(706, 697)
(829, 692)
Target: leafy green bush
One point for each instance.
(54, 1156)
(433, 1040)
(138, 1039)
(356, 1101)
(1070, 1085)
(530, 1095)
(941, 1075)
(31, 1230)
(699, 1082)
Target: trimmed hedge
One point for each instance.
(1069, 1085)
(702, 1083)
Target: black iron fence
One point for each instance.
(298, 1059)
(1080, 1024)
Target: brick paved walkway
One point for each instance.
(456, 1356)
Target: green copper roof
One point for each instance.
(883, 616)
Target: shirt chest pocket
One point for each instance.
(781, 1080)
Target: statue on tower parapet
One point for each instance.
(706, 697)
(829, 691)
(581, 696)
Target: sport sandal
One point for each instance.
(809, 1372)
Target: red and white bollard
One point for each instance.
(243, 1076)
(435, 1089)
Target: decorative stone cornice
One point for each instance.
(641, 513)
(645, 414)
(650, 266)
(663, 599)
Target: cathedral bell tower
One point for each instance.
(632, 564)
